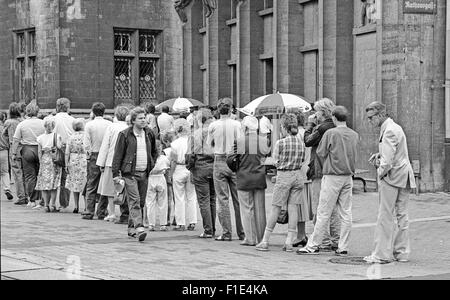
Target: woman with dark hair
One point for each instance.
(150, 117)
(26, 135)
(289, 155)
(16, 164)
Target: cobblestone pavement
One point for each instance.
(36, 245)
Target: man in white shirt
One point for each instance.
(94, 133)
(165, 121)
(222, 135)
(64, 129)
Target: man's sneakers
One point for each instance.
(9, 196)
(21, 202)
(374, 260)
(141, 234)
(307, 251)
(341, 253)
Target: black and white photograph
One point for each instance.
(224, 145)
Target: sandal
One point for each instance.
(47, 209)
(191, 227)
(307, 251)
(54, 209)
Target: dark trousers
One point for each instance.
(30, 164)
(206, 196)
(136, 189)
(94, 174)
(64, 194)
(124, 211)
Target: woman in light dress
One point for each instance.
(76, 163)
(49, 177)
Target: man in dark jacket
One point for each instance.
(134, 158)
(317, 125)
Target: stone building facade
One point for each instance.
(351, 51)
(111, 51)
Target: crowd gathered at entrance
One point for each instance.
(161, 168)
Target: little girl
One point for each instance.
(49, 177)
(156, 200)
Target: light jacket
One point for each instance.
(106, 153)
(395, 167)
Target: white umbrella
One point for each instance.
(275, 104)
(180, 104)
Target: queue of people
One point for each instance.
(168, 167)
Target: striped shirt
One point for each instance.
(289, 153)
(141, 152)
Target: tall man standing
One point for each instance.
(134, 157)
(395, 176)
(95, 131)
(222, 135)
(337, 150)
(64, 129)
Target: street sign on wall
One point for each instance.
(419, 6)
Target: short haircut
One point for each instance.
(23, 107)
(2, 116)
(340, 113)
(49, 124)
(14, 110)
(149, 108)
(289, 122)
(135, 112)
(78, 124)
(326, 106)
(62, 105)
(300, 118)
(32, 110)
(121, 113)
(224, 106)
(377, 107)
(98, 108)
(165, 109)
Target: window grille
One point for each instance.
(21, 42)
(34, 77)
(22, 91)
(147, 43)
(122, 78)
(147, 79)
(122, 42)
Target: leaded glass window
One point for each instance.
(122, 42)
(21, 43)
(147, 43)
(33, 42)
(22, 91)
(147, 79)
(122, 78)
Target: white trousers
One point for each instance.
(335, 191)
(392, 230)
(184, 196)
(157, 200)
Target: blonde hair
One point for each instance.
(182, 127)
(78, 124)
(326, 106)
(49, 124)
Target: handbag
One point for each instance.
(119, 193)
(283, 217)
(233, 162)
(58, 155)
